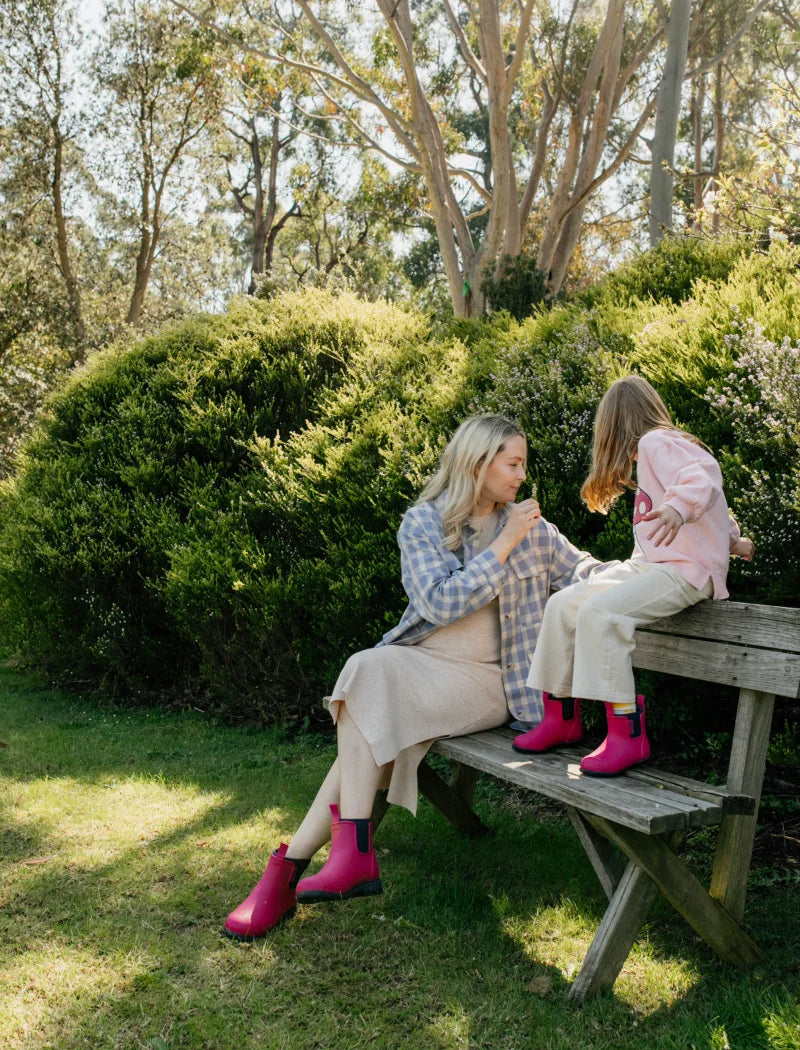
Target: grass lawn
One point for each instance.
(128, 835)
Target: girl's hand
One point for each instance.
(744, 548)
(669, 521)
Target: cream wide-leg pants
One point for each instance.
(587, 635)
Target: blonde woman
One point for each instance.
(477, 568)
(683, 538)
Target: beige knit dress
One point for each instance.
(403, 697)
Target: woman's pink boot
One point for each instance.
(626, 744)
(351, 869)
(271, 901)
(561, 725)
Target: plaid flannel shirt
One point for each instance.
(444, 585)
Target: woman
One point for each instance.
(477, 568)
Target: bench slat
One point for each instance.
(624, 791)
(634, 804)
(745, 668)
(764, 626)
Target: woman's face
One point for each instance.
(504, 475)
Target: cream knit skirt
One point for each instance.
(403, 697)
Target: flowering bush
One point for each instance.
(760, 401)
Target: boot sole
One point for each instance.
(364, 889)
(595, 773)
(544, 750)
(247, 938)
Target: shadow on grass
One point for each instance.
(471, 945)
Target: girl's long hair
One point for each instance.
(462, 470)
(627, 411)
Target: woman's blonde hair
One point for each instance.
(627, 411)
(462, 470)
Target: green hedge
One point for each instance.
(209, 516)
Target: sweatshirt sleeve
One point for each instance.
(734, 531)
(690, 476)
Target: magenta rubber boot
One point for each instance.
(626, 744)
(271, 901)
(351, 869)
(561, 725)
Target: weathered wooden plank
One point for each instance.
(449, 802)
(774, 672)
(746, 773)
(763, 626)
(622, 791)
(730, 801)
(605, 860)
(720, 794)
(704, 914)
(620, 925)
(635, 804)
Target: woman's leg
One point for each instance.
(274, 897)
(315, 828)
(351, 783)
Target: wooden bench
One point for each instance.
(645, 813)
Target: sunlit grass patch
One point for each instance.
(127, 836)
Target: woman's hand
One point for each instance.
(669, 521)
(744, 548)
(521, 519)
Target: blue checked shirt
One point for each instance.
(444, 585)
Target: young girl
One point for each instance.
(683, 537)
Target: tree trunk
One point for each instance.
(668, 109)
(698, 104)
(62, 245)
(719, 142)
(260, 227)
(586, 139)
(455, 241)
(148, 242)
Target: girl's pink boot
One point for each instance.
(351, 869)
(271, 900)
(626, 744)
(561, 725)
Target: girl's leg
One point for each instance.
(607, 621)
(553, 657)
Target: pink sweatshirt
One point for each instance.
(674, 471)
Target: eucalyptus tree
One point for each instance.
(260, 121)
(160, 92)
(708, 36)
(502, 109)
(41, 162)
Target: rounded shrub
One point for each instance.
(142, 493)
(210, 515)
